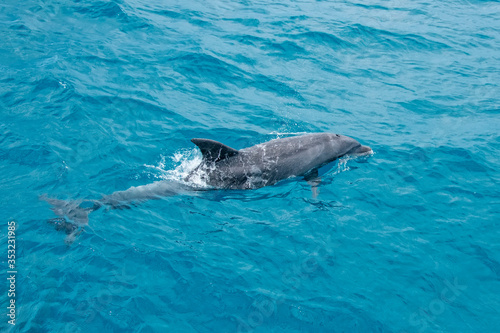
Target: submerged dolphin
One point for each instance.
(223, 167)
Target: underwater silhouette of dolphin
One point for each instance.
(223, 167)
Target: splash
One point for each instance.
(279, 135)
(342, 164)
(184, 163)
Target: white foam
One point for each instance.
(185, 161)
(280, 134)
(342, 165)
(342, 162)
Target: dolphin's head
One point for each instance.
(345, 145)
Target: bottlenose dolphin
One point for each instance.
(267, 163)
(223, 167)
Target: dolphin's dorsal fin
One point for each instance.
(214, 151)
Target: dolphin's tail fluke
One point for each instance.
(73, 215)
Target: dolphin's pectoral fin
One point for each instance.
(214, 151)
(314, 180)
(311, 175)
(314, 186)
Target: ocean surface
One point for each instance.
(99, 96)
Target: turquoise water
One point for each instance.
(98, 96)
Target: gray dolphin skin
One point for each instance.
(267, 163)
(222, 167)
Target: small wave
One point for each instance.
(193, 17)
(285, 48)
(112, 10)
(362, 34)
(248, 22)
(324, 38)
(101, 9)
(204, 67)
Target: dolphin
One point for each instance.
(267, 163)
(223, 167)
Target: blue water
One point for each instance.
(98, 96)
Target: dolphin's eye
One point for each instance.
(337, 135)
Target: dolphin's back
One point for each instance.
(267, 163)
